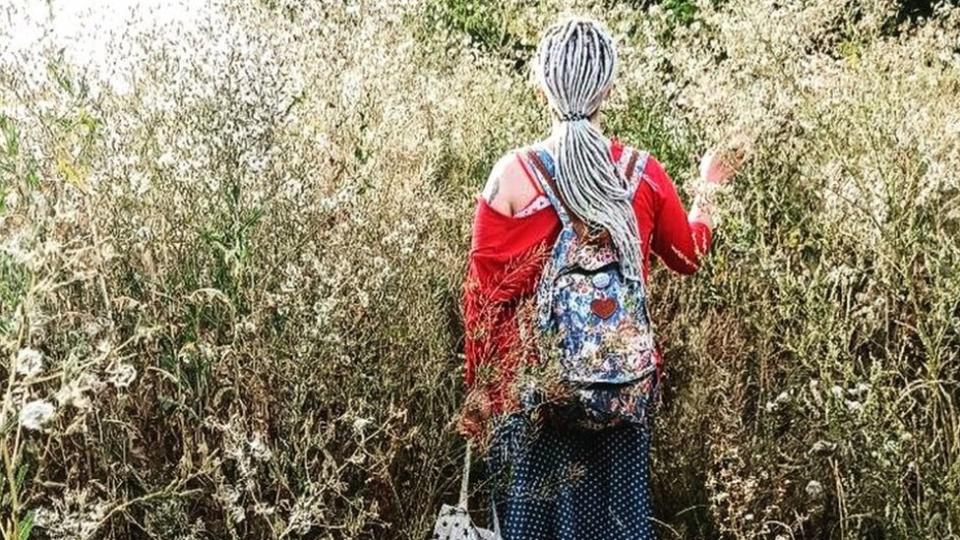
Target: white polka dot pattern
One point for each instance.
(552, 485)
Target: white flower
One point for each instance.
(11, 200)
(229, 497)
(854, 406)
(259, 450)
(167, 159)
(821, 447)
(360, 423)
(29, 362)
(45, 518)
(123, 375)
(74, 393)
(104, 346)
(860, 389)
(263, 509)
(814, 489)
(35, 414)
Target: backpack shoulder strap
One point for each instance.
(544, 167)
(635, 162)
(631, 163)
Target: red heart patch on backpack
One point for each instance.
(603, 307)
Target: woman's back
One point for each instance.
(513, 230)
(565, 278)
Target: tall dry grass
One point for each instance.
(229, 278)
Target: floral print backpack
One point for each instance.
(594, 326)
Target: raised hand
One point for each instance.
(716, 169)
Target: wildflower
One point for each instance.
(229, 497)
(75, 392)
(263, 509)
(860, 389)
(166, 160)
(814, 489)
(123, 375)
(822, 447)
(259, 450)
(854, 406)
(11, 199)
(104, 346)
(29, 362)
(45, 518)
(783, 397)
(248, 327)
(35, 414)
(360, 423)
(92, 328)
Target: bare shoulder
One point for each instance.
(508, 187)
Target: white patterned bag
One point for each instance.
(453, 522)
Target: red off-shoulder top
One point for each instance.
(507, 255)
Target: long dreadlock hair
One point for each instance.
(576, 61)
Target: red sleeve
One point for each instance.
(475, 347)
(504, 263)
(679, 243)
(476, 316)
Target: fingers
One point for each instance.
(736, 150)
(722, 164)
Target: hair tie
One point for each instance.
(573, 117)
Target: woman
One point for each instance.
(554, 483)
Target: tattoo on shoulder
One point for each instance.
(493, 187)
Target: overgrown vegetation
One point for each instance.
(231, 255)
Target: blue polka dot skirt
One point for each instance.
(571, 485)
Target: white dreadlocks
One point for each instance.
(576, 61)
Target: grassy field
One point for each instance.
(231, 255)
